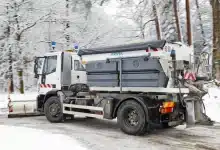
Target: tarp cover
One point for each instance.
(123, 48)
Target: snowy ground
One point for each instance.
(96, 134)
(212, 104)
(29, 139)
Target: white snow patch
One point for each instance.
(13, 138)
(212, 104)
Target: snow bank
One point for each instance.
(212, 104)
(19, 97)
(16, 138)
(16, 97)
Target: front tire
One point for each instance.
(132, 118)
(53, 110)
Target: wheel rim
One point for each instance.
(131, 117)
(54, 109)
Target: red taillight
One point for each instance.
(166, 110)
(167, 107)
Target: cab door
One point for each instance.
(78, 72)
(50, 77)
(66, 65)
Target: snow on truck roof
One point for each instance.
(123, 48)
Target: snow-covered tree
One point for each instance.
(34, 24)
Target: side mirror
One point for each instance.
(38, 64)
(35, 65)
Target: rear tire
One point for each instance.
(53, 110)
(131, 118)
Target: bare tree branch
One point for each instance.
(144, 25)
(32, 25)
(102, 2)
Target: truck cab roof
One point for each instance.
(51, 53)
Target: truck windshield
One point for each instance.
(78, 66)
(50, 65)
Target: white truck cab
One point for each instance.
(57, 71)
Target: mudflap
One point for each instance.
(195, 114)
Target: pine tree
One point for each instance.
(168, 26)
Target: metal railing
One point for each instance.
(201, 64)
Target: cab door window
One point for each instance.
(39, 65)
(50, 65)
(78, 66)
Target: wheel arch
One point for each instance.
(50, 94)
(139, 100)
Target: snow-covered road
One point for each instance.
(96, 134)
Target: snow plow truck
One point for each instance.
(140, 84)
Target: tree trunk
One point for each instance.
(156, 21)
(10, 71)
(216, 38)
(10, 61)
(21, 82)
(18, 40)
(188, 23)
(67, 25)
(177, 20)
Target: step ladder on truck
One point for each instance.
(141, 84)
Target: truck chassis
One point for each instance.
(136, 112)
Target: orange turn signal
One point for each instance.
(168, 104)
(167, 107)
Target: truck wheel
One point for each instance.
(131, 118)
(53, 110)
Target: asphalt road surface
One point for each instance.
(97, 134)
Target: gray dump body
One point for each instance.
(136, 72)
